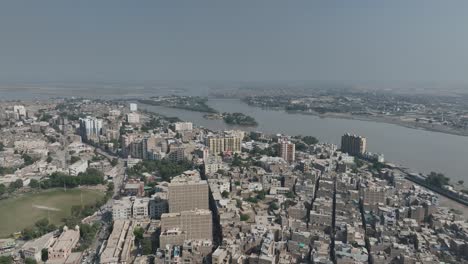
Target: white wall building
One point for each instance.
(133, 107)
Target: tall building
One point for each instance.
(187, 225)
(183, 126)
(354, 145)
(287, 150)
(223, 143)
(133, 118)
(187, 192)
(90, 128)
(133, 107)
(19, 110)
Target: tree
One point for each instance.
(437, 179)
(310, 140)
(16, 185)
(114, 162)
(225, 194)
(44, 254)
(74, 159)
(6, 260)
(461, 182)
(49, 159)
(34, 184)
(273, 207)
(138, 233)
(244, 217)
(28, 160)
(30, 261)
(146, 246)
(2, 147)
(3, 189)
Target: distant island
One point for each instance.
(191, 103)
(238, 119)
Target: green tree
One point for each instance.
(34, 184)
(49, 159)
(74, 159)
(3, 189)
(114, 162)
(2, 147)
(6, 260)
(30, 261)
(244, 217)
(44, 254)
(310, 140)
(437, 179)
(16, 185)
(461, 182)
(28, 160)
(138, 233)
(273, 207)
(146, 246)
(225, 194)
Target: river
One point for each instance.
(420, 150)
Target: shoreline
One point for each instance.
(378, 119)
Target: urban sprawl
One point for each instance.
(172, 192)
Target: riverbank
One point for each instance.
(387, 120)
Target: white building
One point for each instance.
(140, 208)
(90, 127)
(19, 110)
(183, 126)
(133, 107)
(78, 167)
(122, 209)
(133, 118)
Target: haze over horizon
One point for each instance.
(338, 41)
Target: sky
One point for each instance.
(241, 40)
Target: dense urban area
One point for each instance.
(101, 181)
(447, 113)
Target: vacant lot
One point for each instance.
(20, 212)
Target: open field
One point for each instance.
(23, 211)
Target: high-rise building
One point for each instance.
(222, 143)
(287, 150)
(19, 110)
(90, 128)
(133, 118)
(133, 107)
(354, 145)
(183, 126)
(186, 225)
(187, 192)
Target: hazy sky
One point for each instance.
(348, 40)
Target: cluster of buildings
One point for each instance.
(264, 200)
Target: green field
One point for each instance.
(20, 212)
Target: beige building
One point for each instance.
(187, 225)
(287, 151)
(187, 193)
(119, 244)
(218, 144)
(62, 248)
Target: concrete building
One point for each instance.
(122, 209)
(287, 150)
(90, 128)
(157, 207)
(223, 143)
(354, 145)
(133, 118)
(183, 126)
(33, 249)
(62, 248)
(187, 225)
(187, 193)
(120, 243)
(133, 107)
(140, 209)
(78, 167)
